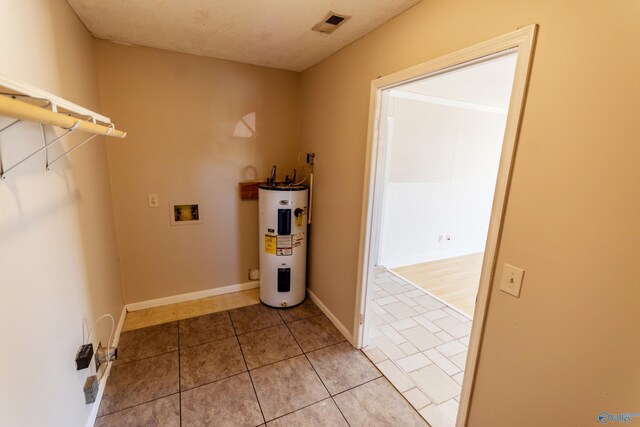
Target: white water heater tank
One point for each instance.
(283, 243)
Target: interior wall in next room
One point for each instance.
(197, 127)
(442, 167)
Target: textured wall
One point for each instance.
(567, 348)
(58, 252)
(190, 122)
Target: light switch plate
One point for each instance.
(154, 201)
(511, 281)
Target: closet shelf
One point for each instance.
(23, 102)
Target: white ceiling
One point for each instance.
(487, 83)
(272, 33)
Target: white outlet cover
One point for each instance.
(154, 201)
(511, 280)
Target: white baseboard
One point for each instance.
(103, 381)
(331, 317)
(192, 296)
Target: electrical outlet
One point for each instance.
(511, 281)
(154, 200)
(254, 274)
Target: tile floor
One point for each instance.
(246, 367)
(420, 344)
(183, 310)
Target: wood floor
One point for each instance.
(455, 280)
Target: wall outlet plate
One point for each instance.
(154, 200)
(511, 280)
(254, 274)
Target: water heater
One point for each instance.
(283, 243)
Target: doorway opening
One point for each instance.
(441, 146)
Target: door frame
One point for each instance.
(522, 41)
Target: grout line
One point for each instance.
(318, 375)
(255, 392)
(139, 404)
(144, 358)
(179, 378)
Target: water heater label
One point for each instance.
(284, 245)
(298, 238)
(270, 244)
(285, 242)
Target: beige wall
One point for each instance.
(568, 348)
(58, 253)
(182, 112)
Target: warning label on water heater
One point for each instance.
(270, 244)
(297, 239)
(284, 245)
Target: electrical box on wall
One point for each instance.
(185, 214)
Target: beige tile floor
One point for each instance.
(183, 310)
(246, 367)
(420, 345)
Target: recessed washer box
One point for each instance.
(185, 214)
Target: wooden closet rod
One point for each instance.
(24, 111)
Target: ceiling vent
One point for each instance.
(330, 22)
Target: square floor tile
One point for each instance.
(377, 403)
(436, 383)
(228, 402)
(458, 377)
(400, 310)
(392, 334)
(421, 338)
(162, 412)
(453, 326)
(427, 324)
(202, 329)
(287, 386)
(254, 317)
(443, 336)
(413, 362)
(391, 350)
(435, 314)
(385, 300)
(302, 311)
(459, 360)
(268, 346)
(315, 332)
(374, 354)
(450, 408)
(417, 398)
(444, 363)
(391, 286)
(146, 342)
(210, 362)
(451, 348)
(320, 414)
(133, 383)
(429, 302)
(436, 417)
(407, 348)
(341, 367)
(398, 378)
